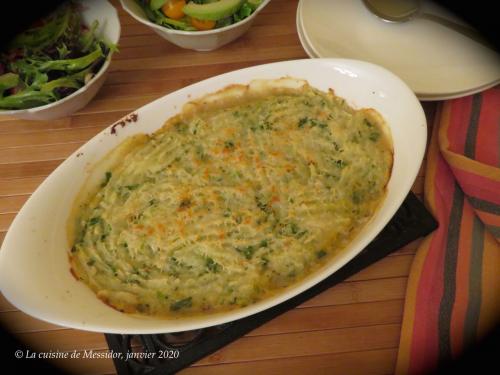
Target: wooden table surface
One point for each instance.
(353, 328)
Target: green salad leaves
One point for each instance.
(51, 60)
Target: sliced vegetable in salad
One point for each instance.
(198, 15)
(51, 60)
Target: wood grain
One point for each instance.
(369, 362)
(352, 328)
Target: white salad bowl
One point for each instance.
(34, 268)
(195, 40)
(109, 30)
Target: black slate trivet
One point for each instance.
(410, 222)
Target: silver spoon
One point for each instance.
(405, 10)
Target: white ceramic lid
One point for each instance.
(435, 61)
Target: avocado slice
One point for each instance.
(212, 11)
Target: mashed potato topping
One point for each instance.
(242, 194)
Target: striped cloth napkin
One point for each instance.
(453, 292)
